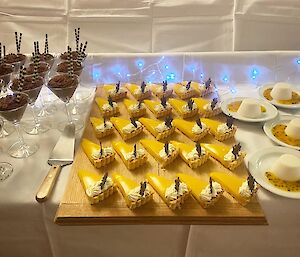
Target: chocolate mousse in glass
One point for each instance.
(46, 57)
(6, 71)
(12, 108)
(74, 54)
(32, 87)
(63, 67)
(43, 69)
(17, 60)
(64, 86)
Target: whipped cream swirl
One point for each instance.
(106, 151)
(193, 155)
(245, 191)
(96, 190)
(130, 156)
(197, 130)
(160, 107)
(108, 107)
(103, 128)
(206, 195)
(134, 194)
(114, 91)
(186, 108)
(163, 153)
(230, 156)
(172, 194)
(135, 107)
(223, 128)
(162, 127)
(130, 127)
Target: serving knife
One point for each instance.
(62, 155)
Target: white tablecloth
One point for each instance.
(27, 228)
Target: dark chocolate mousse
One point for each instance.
(13, 58)
(45, 57)
(74, 55)
(12, 107)
(29, 83)
(5, 69)
(42, 68)
(63, 86)
(63, 67)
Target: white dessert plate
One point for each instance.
(261, 161)
(262, 89)
(282, 119)
(271, 111)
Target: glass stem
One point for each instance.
(19, 133)
(35, 118)
(70, 120)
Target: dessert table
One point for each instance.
(28, 228)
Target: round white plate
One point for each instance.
(282, 119)
(286, 106)
(271, 111)
(262, 160)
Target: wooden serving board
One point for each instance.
(75, 208)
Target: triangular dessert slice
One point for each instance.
(172, 192)
(193, 154)
(127, 128)
(135, 108)
(161, 90)
(97, 187)
(185, 109)
(240, 189)
(184, 91)
(208, 108)
(107, 106)
(130, 155)
(159, 108)
(139, 92)
(135, 194)
(193, 130)
(98, 155)
(207, 193)
(116, 92)
(163, 153)
(102, 127)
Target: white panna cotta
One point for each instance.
(287, 167)
(282, 91)
(293, 128)
(249, 108)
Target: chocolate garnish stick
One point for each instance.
(104, 122)
(143, 87)
(188, 85)
(85, 45)
(198, 122)
(35, 49)
(163, 102)
(16, 38)
(166, 146)
(134, 151)
(177, 184)
(101, 149)
(21, 79)
(229, 121)
(69, 62)
(118, 87)
(251, 182)
(168, 121)
(110, 101)
(38, 47)
(210, 185)
(76, 39)
(1, 60)
(198, 148)
(236, 149)
(80, 49)
(207, 83)
(143, 188)
(103, 181)
(190, 104)
(213, 103)
(140, 103)
(20, 40)
(165, 85)
(4, 51)
(35, 71)
(133, 121)
(46, 50)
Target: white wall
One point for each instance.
(154, 25)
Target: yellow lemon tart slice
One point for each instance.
(173, 192)
(240, 189)
(99, 156)
(97, 187)
(130, 155)
(206, 193)
(221, 131)
(203, 89)
(184, 91)
(116, 92)
(159, 108)
(159, 129)
(193, 155)
(135, 108)
(135, 194)
(230, 157)
(139, 92)
(184, 109)
(162, 90)
(107, 107)
(127, 128)
(101, 127)
(163, 153)
(208, 108)
(193, 130)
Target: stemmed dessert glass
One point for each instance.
(64, 86)
(12, 108)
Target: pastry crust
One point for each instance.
(224, 136)
(165, 133)
(166, 94)
(103, 195)
(207, 114)
(200, 161)
(188, 94)
(113, 112)
(142, 96)
(177, 203)
(132, 205)
(170, 158)
(233, 164)
(118, 96)
(101, 134)
(207, 204)
(134, 133)
(163, 113)
(98, 163)
(138, 113)
(189, 114)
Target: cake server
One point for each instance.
(62, 155)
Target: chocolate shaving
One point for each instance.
(168, 121)
(163, 101)
(177, 184)
(210, 185)
(236, 149)
(207, 83)
(110, 101)
(198, 148)
(143, 188)
(251, 182)
(101, 149)
(140, 103)
(190, 104)
(188, 85)
(166, 146)
(198, 121)
(214, 103)
(143, 87)
(229, 121)
(103, 181)
(104, 122)
(134, 151)
(133, 122)
(118, 87)
(165, 85)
